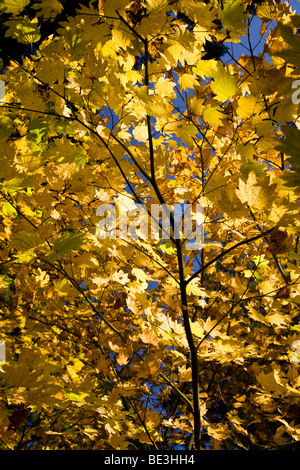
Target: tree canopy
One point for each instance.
(147, 342)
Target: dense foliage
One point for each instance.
(145, 343)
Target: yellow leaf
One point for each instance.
(246, 151)
(197, 329)
(49, 9)
(251, 193)
(276, 319)
(187, 81)
(140, 274)
(78, 397)
(174, 53)
(120, 39)
(224, 85)
(118, 441)
(140, 133)
(248, 106)
(232, 15)
(111, 6)
(218, 431)
(24, 241)
(73, 370)
(269, 383)
(42, 278)
(152, 419)
(194, 287)
(213, 115)
(185, 375)
(122, 358)
(149, 337)
(155, 4)
(120, 277)
(165, 88)
(206, 68)
(196, 105)
(255, 315)
(28, 31)
(14, 6)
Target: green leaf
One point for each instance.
(7, 209)
(66, 244)
(252, 165)
(77, 397)
(63, 151)
(13, 6)
(17, 184)
(290, 146)
(291, 56)
(24, 241)
(233, 15)
(81, 157)
(167, 247)
(75, 42)
(28, 31)
(6, 126)
(38, 129)
(49, 9)
(26, 244)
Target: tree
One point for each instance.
(148, 341)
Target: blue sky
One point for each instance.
(257, 41)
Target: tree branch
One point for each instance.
(225, 252)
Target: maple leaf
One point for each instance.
(165, 88)
(28, 31)
(25, 241)
(50, 9)
(233, 16)
(120, 277)
(122, 358)
(13, 6)
(213, 115)
(278, 241)
(224, 84)
(149, 337)
(167, 247)
(251, 192)
(78, 397)
(187, 81)
(65, 244)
